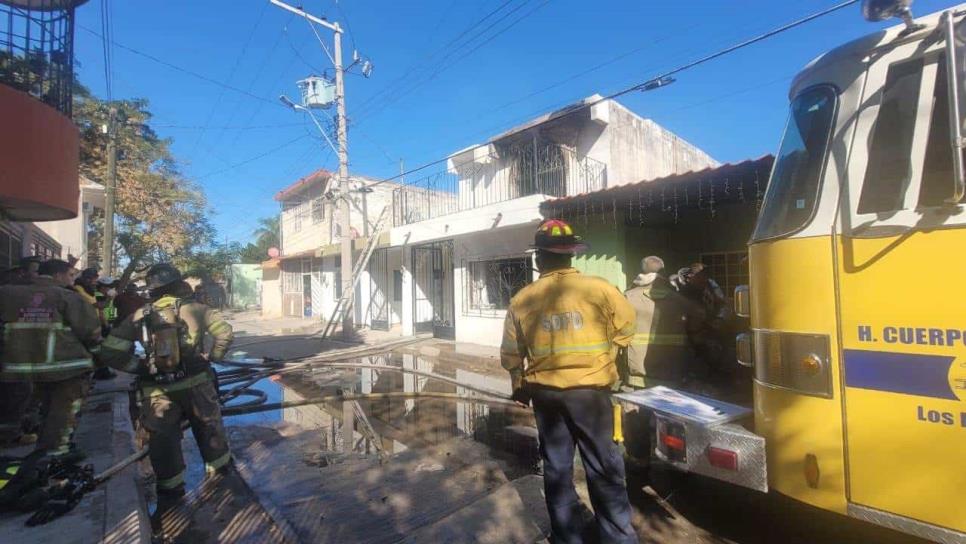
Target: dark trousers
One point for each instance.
(585, 418)
(14, 401)
(162, 417)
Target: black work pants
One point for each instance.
(585, 418)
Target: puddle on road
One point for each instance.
(397, 464)
(395, 425)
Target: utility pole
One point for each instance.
(110, 194)
(343, 148)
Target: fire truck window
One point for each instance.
(889, 170)
(937, 172)
(795, 180)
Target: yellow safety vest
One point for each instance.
(568, 327)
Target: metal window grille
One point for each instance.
(490, 284)
(548, 169)
(729, 269)
(37, 52)
(318, 210)
(300, 212)
(291, 277)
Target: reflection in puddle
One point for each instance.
(389, 426)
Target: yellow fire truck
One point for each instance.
(857, 295)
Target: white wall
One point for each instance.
(310, 235)
(520, 211)
(407, 286)
(640, 149)
(395, 263)
(380, 289)
(271, 293)
(486, 329)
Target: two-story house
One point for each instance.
(458, 249)
(306, 278)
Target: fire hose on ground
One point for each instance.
(242, 375)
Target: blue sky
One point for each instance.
(449, 97)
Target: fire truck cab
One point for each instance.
(857, 296)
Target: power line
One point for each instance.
(275, 83)
(443, 66)
(399, 81)
(231, 73)
(661, 79)
(258, 72)
(291, 45)
(175, 67)
(106, 41)
(229, 127)
(251, 159)
(596, 67)
(348, 25)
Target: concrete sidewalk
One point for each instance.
(115, 511)
(251, 323)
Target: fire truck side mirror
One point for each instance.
(953, 74)
(742, 301)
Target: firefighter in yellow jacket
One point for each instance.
(175, 378)
(568, 329)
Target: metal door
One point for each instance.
(379, 290)
(433, 308)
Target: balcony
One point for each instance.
(38, 143)
(472, 181)
(36, 49)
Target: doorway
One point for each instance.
(434, 309)
(379, 291)
(307, 295)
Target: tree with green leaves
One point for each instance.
(160, 214)
(267, 235)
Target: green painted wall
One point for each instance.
(682, 243)
(245, 279)
(606, 255)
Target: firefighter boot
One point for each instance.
(168, 502)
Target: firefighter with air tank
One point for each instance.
(175, 376)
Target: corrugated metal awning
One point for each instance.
(727, 183)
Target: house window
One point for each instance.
(297, 219)
(318, 210)
(491, 284)
(728, 269)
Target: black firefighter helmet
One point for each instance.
(160, 275)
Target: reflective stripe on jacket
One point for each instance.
(117, 350)
(659, 349)
(568, 327)
(48, 332)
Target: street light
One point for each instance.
(342, 149)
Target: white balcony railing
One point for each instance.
(550, 170)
